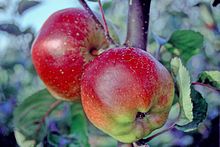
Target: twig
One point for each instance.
(155, 135)
(206, 85)
(103, 17)
(145, 141)
(138, 21)
(86, 7)
(124, 145)
(52, 107)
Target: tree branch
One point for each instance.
(86, 7)
(138, 21)
(144, 141)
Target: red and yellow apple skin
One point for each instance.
(126, 93)
(62, 48)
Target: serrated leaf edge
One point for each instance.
(187, 109)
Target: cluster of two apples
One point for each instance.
(124, 91)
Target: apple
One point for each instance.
(126, 93)
(67, 41)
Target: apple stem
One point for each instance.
(206, 85)
(145, 141)
(86, 7)
(103, 17)
(138, 21)
(52, 107)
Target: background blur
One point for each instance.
(21, 20)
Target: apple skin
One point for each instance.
(63, 47)
(126, 93)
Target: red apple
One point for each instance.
(126, 93)
(66, 42)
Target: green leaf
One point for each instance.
(185, 43)
(210, 77)
(71, 128)
(186, 39)
(106, 5)
(22, 141)
(183, 82)
(79, 126)
(28, 115)
(193, 105)
(56, 140)
(199, 112)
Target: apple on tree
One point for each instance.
(67, 41)
(126, 93)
